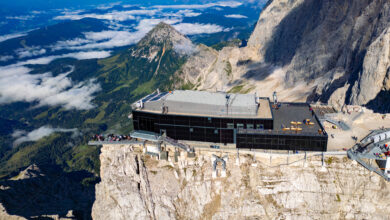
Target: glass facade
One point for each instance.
(224, 130)
(282, 142)
(196, 128)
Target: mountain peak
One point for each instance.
(163, 33)
(162, 25)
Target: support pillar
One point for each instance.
(387, 168)
(288, 157)
(238, 158)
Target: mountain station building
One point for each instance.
(248, 121)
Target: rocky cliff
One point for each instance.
(135, 186)
(331, 51)
(345, 44)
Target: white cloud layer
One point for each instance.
(196, 28)
(236, 16)
(182, 13)
(10, 36)
(6, 58)
(110, 39)
(30, 52)
(34, 135)
(231, 4)
(16, 84)
(185, 47)
(77, 55)
(112, 16)
(22, 17)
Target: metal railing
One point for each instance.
(276, 132)
(177, 144)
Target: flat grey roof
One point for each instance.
(203, 103)
(295, 112)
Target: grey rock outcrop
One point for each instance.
(336, 43)
(135, 186)
(331, 51)
(124, 191)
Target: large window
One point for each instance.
(281, 142)
(230, 125)
(260, 126)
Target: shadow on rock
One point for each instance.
(290, 32)
(259, 71)
(52, 192)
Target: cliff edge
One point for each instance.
(136, 186)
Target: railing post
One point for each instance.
(288, 157)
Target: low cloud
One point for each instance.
(101, 40)
(182, 13)
(196, 28)
(30, 52)
(10, 36)
(185, 47)
(34, 135)
(110, 39)
(6, 58)
(112, 16)
(108, 6)
(16, 84)
(77, 55)
(231, 4)
(22, 17)
(236, 16)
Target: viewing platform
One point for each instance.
(373, 152)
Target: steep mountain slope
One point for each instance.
(123, 78)
(336, 52)
(344, 45)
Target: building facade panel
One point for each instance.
(196, 128)
(282, 142)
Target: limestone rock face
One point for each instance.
(340, 42)
(310, 50)
(198, 65)
(135, 186)
(269, 19)
(376, 71)
(124, 191)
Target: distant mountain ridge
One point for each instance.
(124, 77)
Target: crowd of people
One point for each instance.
(111, 137)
